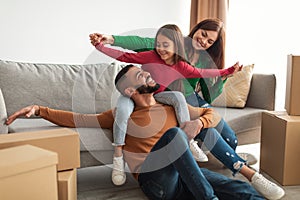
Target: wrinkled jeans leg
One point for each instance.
(230, 189)
(124, 109)
(171, 172)
(223, 128)
(220, 149)
(196, 101)
(177, 100)
(227, 134)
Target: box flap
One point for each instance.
(284, 116)
(20, 159)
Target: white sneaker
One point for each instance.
(198, 154)
(267, 188)
(249, 158)
(118, 175)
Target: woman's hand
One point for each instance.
(97, 38)
(27, 112)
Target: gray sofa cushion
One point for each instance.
(78, 88)
(3, 115)
(262, 92)
(241, 120)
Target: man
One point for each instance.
(156, 150)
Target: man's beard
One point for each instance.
(146, 89)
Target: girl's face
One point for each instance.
(203, 39)
(165, 49)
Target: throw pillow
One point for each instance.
(3, 115)
(236, 89)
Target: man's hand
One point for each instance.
(27, 112)
(192, 128)
(97, 38)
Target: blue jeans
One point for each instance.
(196, 101)
(223, 150)
(180, 177)
(221, 141)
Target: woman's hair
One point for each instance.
(172, 32)
(217, 50)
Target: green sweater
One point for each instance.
(210, 88)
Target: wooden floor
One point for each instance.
(94, 183)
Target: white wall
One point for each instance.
(56, 31)
(264, 33)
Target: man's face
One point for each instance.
(141, 81)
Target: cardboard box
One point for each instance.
(67, 185)
(64, 142)
(280, 152)
(28, 172)
(292, 96)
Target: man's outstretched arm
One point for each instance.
(65, 118)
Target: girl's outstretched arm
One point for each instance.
(140, 58)
(191, 72)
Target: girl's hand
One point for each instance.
(97, 38)
(237, 68)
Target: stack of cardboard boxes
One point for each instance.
(280, 133)
(39, 165)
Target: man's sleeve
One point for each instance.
(208, 116)
(72, 120)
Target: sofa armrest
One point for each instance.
(262, 92)
(3, 115)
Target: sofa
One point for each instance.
(89, 89)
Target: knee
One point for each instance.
(176, 132)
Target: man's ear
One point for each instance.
(129, 91)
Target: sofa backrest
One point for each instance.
(262, 92)
(79, 88)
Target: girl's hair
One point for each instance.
(217, 50)
(172, 32)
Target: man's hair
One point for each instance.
(121, 76)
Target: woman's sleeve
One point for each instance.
(139, 58)
(135, 43)
(211, 91)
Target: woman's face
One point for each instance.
(203, 39)
(165, 48)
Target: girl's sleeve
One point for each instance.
(135, 43)
(188, 71)
(139, 58)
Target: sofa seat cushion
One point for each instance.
(91, 139)
(241, 120)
